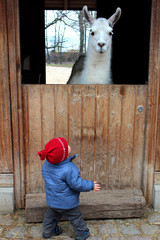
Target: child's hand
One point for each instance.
(97, 186)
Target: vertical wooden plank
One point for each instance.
(47, 117)
(101, 147)
(157, 161)
(6, 161)
(88, 132)
(12, 54)
(25, 116)
(115, 110)
(152, 105)
(34, 165)
(75, 100)
(139, 136)
(47, 109)
(19, 164)
(61, 111)
(127, 130)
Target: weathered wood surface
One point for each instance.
(6, 158)
(157, 178)
(15, 98)
(10, 98)
(6, 180)
(101, 123)
(153, 116)
(105, 204)
(19, 163)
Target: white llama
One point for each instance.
(97, 63)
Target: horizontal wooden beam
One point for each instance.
(6, 180)
(105, 204)
(69, 4)
(157, 178)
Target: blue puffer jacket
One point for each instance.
(63, 184)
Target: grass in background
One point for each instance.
(69, 65)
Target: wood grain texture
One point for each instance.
(101, 157)
(15, 98)
(35, 138)
(157, 178)
(105, 204)
(6, 160)
(139, 136)
(114, 124)
(88, 132)
(152, 104)
(61, 111)
(6, 180)
(101, 123)
(75, 123)
(127, 131)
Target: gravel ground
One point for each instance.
(57, 75)
(14, 226)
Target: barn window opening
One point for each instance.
(44, 47)
(66, 37)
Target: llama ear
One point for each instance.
(88, 16)
(114, 18)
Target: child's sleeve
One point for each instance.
(75, 181)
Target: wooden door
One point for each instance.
(105, 125)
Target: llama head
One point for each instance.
(101, 30)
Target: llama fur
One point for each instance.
(96, 67)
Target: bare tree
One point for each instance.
(46, 42)
(63, 19)
(81, 28)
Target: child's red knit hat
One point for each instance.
(56, 150)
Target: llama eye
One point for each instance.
(92, 33)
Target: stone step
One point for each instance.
(94, 205)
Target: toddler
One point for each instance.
(63, 185)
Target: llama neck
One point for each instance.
(96, 58)
(97, 67)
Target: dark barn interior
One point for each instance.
(130, 51)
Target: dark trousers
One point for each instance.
(74, 215)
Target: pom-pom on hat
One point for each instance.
(56, 150)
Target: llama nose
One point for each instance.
(101, 44)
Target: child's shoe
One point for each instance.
(57, 231)
(84, 236)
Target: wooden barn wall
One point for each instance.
(6, 160)
(157, 163)
(151, 174)
(101, 123)
(11, 156)
(110, 136)
(156, 39)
